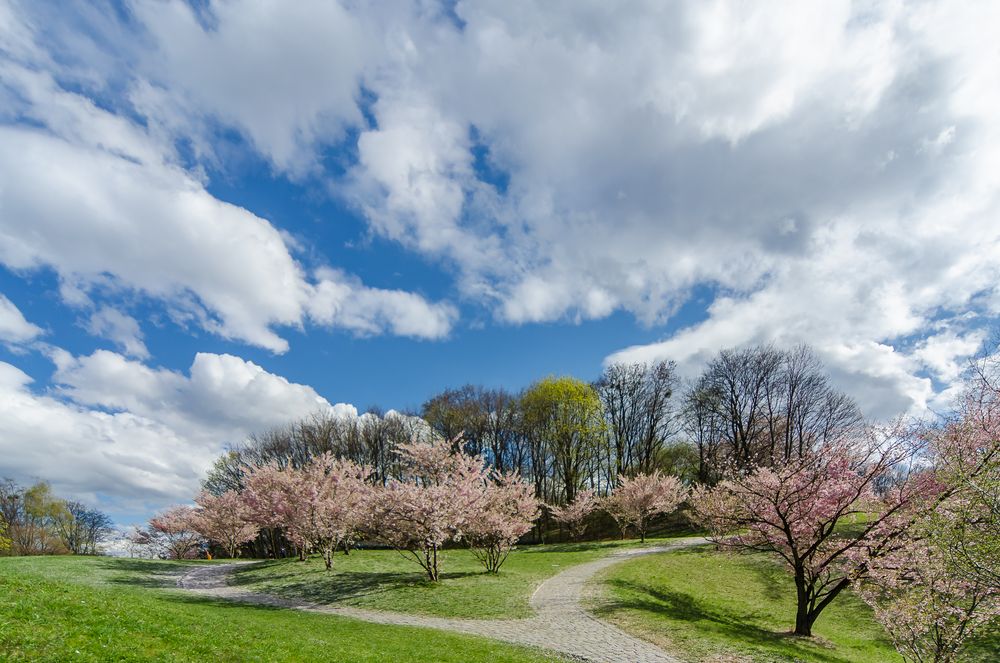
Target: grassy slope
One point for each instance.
(710, 606)
(98, 609)
(700, 604)
(385, 580)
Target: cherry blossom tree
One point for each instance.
(319, 505)
(966, 453)
(796, 511)
(638, 499)
(175, 532)
(434, 504)
(226, 519)
(272, 494)
(926, 604)
(140, 542)
(574, 515)
(506, 511)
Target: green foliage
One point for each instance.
(565, 414)
(4, 541)
(100, 609)
(702, 604)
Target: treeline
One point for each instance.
(749, 407)
(34, 521)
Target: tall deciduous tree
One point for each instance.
(796, 511)
(638, 499)
(565, 417)
(637, 407)
(766, 406)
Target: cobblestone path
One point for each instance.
(560, 622)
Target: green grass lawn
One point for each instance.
(102, 609)
(710, 606)
(385, 580)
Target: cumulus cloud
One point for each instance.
(13, 327)
(116, 431)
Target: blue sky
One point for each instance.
(218, 216)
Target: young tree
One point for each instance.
(574, 515)
(175, 531)
(795, 511)
(638, 499)
(506, 511)
(434, 503)
(226, 519)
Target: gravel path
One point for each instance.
(560, 622)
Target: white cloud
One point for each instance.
(13, 327)
(285, 74)
(833, 174)
(101, 201)
(120, 328)
(117, 432)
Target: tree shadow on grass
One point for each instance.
(145, 572)
(731, 625)
(335, 586)
(582, 546)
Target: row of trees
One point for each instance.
(444, 496)
(34, 521)
(749, 407)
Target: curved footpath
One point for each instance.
(560, 622)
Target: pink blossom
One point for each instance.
(574, 515)
(638, 499)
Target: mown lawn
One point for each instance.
(705, 605)
(101, 609)
(385, 580)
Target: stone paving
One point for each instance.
(560, 622)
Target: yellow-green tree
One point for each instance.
(564, 419)
(4, 541)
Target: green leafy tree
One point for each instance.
(4, 541)
(565, 417)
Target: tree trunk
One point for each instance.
(803, 620)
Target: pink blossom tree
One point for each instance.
(925, 604)
(175, 531)
(506, 511)
(271, 493)
(574, 515)
(796, 510)
(638, 499)
(434, 504)
(319, 505)
(966, 454)
(225, 519)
